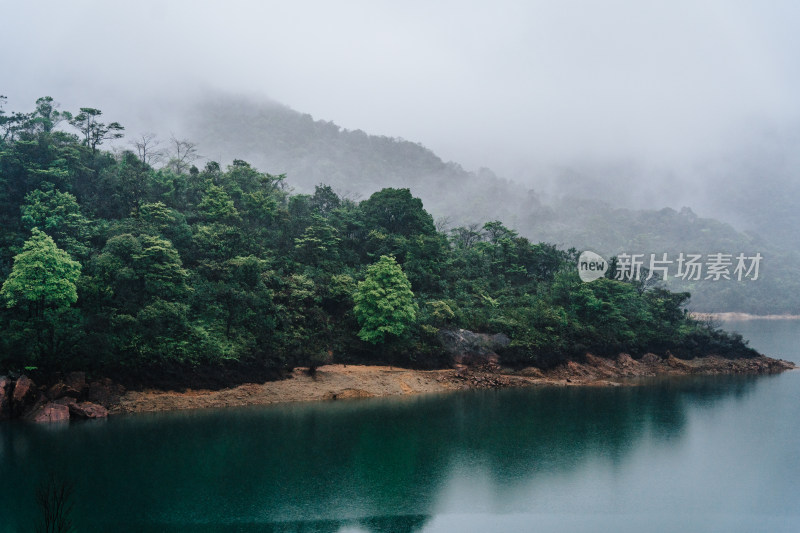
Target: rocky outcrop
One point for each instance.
(24, 397)
(75, 385)
(480, 377)
(649, 359)
(50, 412)
(56, 391)
(470, 348)
(64, 400)
(87, 410)
(601, 370)
(6, 386)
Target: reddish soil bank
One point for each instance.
(334, 382)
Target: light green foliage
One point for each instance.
(261, 207)
(341, 286)
(43, 276)
(385, 306)
(158, 219)
(217, 206)
(441, 313)
(160, 267)
(318, 242)
(59, 215)
(217, 242)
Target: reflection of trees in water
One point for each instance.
(556, 429)
(54, 498)
(394, 524)
(389, 524)
(385, 459)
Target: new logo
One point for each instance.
(591, 266)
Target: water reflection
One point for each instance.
(375, 465)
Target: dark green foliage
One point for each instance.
(93, 131)
(273, 136)
(701, 339)
(396, 211)
(175, 269)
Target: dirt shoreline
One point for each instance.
(742, 316)
(336, 382)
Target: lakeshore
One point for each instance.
(75, 397)
(742, 316)
(339, 382)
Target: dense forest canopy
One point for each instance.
(572, 205)
(133, 260)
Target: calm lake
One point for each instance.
(710, 454)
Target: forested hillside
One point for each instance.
(356, 164)
(111, 264)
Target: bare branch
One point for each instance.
(182, 154)
(147, 148)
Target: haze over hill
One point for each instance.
(632, 105)
(646, 100)
(577, 210)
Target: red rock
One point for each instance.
(76, 384)
(88, 410)
(51, 412)
(651, 359)
(56, 391)
(676, 363)
(5, 397)
(624, 360)
(66, 400)
(25, 394)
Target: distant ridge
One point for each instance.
(278, 139)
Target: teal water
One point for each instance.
(709, 454)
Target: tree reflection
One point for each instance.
(376, 465)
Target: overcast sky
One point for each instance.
(498, 84)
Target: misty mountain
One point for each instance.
(758, 186)
(279, 140)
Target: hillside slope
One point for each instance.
(274, 137)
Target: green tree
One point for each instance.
(325, 200)
(10, 125)
(43, 283)
(396, 211)
(135, 270)
(385, 306)
(217, 206)
(59, 214)
(47, 116)
(95, 132)
(318, 242)
(138, 292)
(43, 276)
